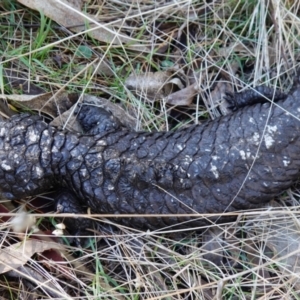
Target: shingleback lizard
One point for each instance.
(236, 162)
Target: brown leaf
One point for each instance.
(184, 96)
(19, 254)
(153, 85)
(47, 103)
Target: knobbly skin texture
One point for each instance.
(206, 168)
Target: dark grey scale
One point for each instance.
(84, 173)
(87, 189)
(123, 143)
(69, 163)
(58, 155)
(72, 140)
(76, 180)
(98, 192)
(16, 140)
(167, 179)
(221, 138)
(139, 203)
(74, 164)
(76, 161)
(10, 179)
(62, 169)
(142, 152)
(34, 133)
(161, 145)
(186, 184)
(93, 161)
(84, 145)
(97, 177)
(117, 138)
(141, 141)
(172, 205)
(112, 169)
(112, 199)
(124, 188)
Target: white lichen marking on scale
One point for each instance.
(188, 158)
(214, 170)
(83, 172)
(110, 187)
(268, 137)
(251, 120)
(39, 171)
(17, 158)
(180, 147)
(5, 166)
(33, 137)
(215, 157)
(248, 154)
(256, 138)
(286, 161)
(101, 143)
(243, 154)
(46, 133)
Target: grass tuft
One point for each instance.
(216, 46)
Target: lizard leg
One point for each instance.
(95, 120)
(66, 202)
(260, 94)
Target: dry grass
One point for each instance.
(216, 47)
